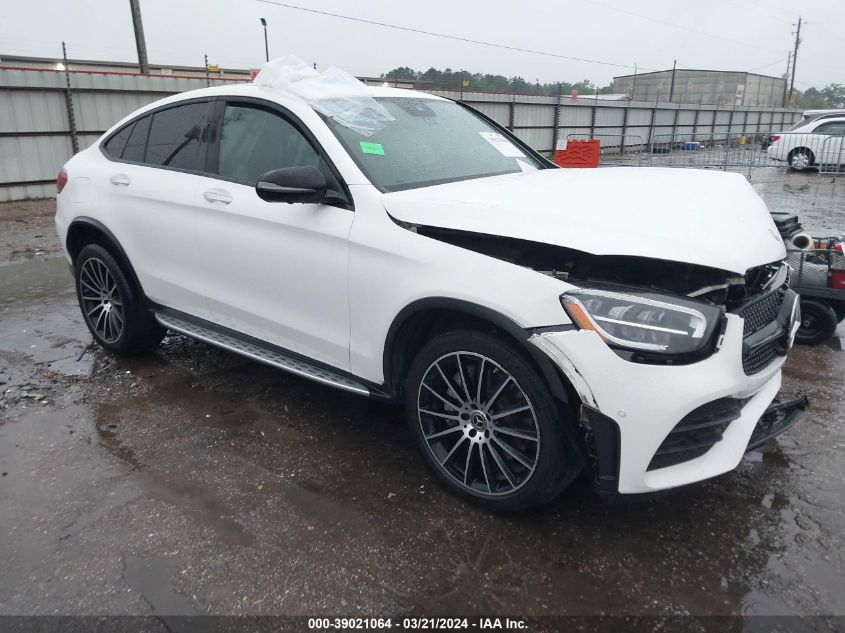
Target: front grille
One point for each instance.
(761, 312)
(697, 432)
(757, 314)
(757, 359)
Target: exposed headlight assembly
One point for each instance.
(646, 322)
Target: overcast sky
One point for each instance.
(712, 34)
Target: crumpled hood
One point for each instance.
(694, 216)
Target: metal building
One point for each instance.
(706, 87)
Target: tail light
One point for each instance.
(775, 137)
(61, 180)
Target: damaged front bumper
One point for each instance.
(654, 427)
(779, 416)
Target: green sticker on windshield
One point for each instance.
(372, 148)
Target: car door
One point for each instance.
(150, 192)
(830, 143)
(274, 271)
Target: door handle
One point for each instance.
(119, 179)
(218, 195)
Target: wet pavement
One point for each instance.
(193, 481)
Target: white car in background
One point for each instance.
(811, 143)
(401, 246)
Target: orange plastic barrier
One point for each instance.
(578, 154)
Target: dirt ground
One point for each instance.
(192, 481)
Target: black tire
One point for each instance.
(507, 485)
(112, 306)
(838, 309)
(807, 163)
(818, 323)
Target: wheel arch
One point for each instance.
(423, 319)
(84, 230)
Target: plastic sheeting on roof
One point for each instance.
(332, 92)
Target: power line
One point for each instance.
(675, 26)
(445, 36)
(782, 59)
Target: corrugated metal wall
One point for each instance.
(35, 137)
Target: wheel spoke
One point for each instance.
(508, 412)
(466, 465)
(447, 416)
(115, 333)
(99, 319)
(501, 464)
(484, 468)
(513, 453)
(515, 432)
(118, 317)
(99, 306)
(448, 383)
(480, 379)
(90, 287)
(452, 452)
(442, 433)
(498, 392)
(441, 398)
(98, 275)
(462, 377)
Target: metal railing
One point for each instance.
(831, 159)
(743, 150)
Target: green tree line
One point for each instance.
(457, 79)
(831, 96)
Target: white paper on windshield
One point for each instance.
(502, 145)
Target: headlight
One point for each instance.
(646, 321)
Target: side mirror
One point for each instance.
(292, 184)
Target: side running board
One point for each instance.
(263, 353)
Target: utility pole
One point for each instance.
(795, 58)
(207, 78)
(786, 78)
(634, 84)
(672, 84)
(140, 43)
(71, 119)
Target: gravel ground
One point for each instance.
(191, 481)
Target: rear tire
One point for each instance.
(498, 441)
(801, 159)
(112, 306)
(818, 323)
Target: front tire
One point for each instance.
(111, 305)
(818, 323)
(486, 423)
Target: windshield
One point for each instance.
(430, 142)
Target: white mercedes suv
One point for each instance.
(534, 321)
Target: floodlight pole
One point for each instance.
(266, 45)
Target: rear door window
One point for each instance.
(115, 145)
(137, 142)
(177, 137)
